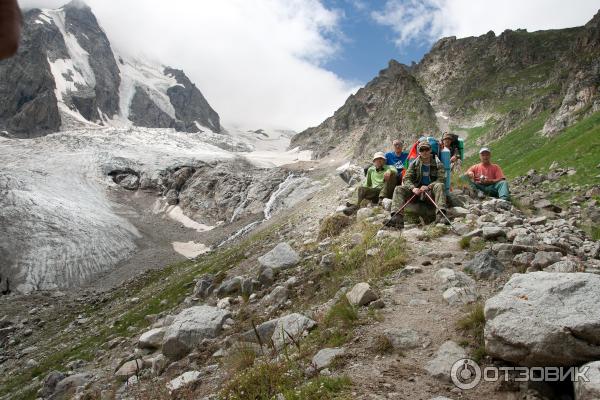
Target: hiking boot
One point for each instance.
(439, 219)
(396, 221)
(351, 209)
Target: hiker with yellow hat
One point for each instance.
(379, 183)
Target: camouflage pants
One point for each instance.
(402, 194)
(373, 194)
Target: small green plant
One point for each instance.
(434, 232)
(333, 225)
(472, 324)
(342, 314)
(240, 357)
(464, 242)
(382, 345)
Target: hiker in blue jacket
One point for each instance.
(397, 158)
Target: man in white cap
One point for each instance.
(379, 183)
(488, 177)
(425, 173)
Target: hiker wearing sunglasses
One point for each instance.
(425, 173)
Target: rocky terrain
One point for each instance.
(66, 75)
(313, 304)
(497, 82)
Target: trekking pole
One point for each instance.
(441, 212)
(400, 209)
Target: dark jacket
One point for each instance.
(414, 174)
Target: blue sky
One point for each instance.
(366, 46)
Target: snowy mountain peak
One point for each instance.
(66, 76)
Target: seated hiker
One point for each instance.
(379, 183)
(425, 173)
(488, 177)
(397, 157)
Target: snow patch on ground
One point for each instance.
(176, 214)
(190, 249)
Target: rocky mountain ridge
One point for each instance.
(502, 81)
(66, 75)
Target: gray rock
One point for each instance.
(460, 295)
(364, 213)
(66, 388)
(50, 382)
(327, 261)
(159, 364)
(190, 327)
(448, 353)
(277, 297)
(523, 259)
(543, 259)
(588, 390)
(290, 326)
(474, 233)
(130, 368)
(281, 257)
(248, 286)
(230, 286)
(324, 357)
(532, 320)
(266, 276)
(563, 266)
(185, 380)
(493, 232)
(525, 240)
(172, 197)
(538, 221)
(450, 278)
(404, 338)
(152, 339)
(361, 294)
(204, 286)
(485, 265)
(129, 182)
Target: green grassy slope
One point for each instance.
(524, 148)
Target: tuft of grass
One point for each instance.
(433, 232)
(322, 387)
(472, 324)
(342, 314)
(464, 242)
(382, 345)
(333, 225)
(240, 357)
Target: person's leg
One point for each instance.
(388, 189)
(368, 193)
(401, 194)
(502, 190)
(439, 194)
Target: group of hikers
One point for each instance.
(424, 174)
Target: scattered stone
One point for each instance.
(543, 259)
(589, 390)
(324, 357)
(446, 356)
(172, 197)
(404, 338)
(377, 304)
(187, 379)
(459, 295)
(327, 261)
(523, 259)
(387, 204)
(130, 368)
(364, 213)
(281, 257)
(458, 212)
(525, 240)
(538, 221)
(204, 286)
(493, 232)
(532, 320)
(357, 238)
(266, 277)
(190, 327)
(474, 233)
(277, 297)
(50, 382)
(361, 294)
(290, 326)
(451, 278)
(410, 270)
(230, 286)
(563, 266)
(485, 265)
(66, 388)
(152, 339)
(159, 364)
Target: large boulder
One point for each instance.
(279, 330)
(589, 390)
(545, 318)
(281, 257)
(485, 265)
(190, 327)
(151, 339)
(324, 357)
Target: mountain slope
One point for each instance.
(498, 83)
(66, 75)
(390, 106)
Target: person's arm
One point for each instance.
(368, 181)
(407, 181)
(470, 173)
(10, 28)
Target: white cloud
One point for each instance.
(257, 62)
(429, 20)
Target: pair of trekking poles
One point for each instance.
(432, 202)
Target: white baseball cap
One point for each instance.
(377, 155)
(484, 149)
